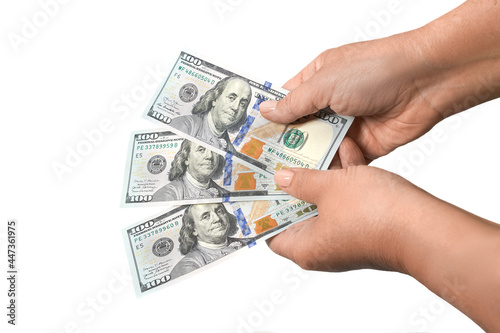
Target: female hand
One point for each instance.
(362, 213)
(371, 218)
(399, 87)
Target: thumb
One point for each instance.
(304, 184)
(307, 98)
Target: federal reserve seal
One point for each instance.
(294, 138)
(188, 92)
(163, 247)
(157, 164)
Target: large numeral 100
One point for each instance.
(143, 226)
(147, 136)
(140, 198)
(191, 59)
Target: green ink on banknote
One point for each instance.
(294, 138)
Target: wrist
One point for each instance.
(455, 255)
(402, 240)
(398, 219)
(469, 33)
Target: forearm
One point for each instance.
(456, 255)
(458, 57)
(469, 33)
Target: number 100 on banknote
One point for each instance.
(219, 109)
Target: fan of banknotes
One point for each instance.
(210, 165)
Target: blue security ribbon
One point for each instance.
(243, 131)
(257, 103)
(242, 222)
(267, 85)
(228, 169)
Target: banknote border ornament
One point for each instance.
(157, 164)
(162, 251)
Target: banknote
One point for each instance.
(163, 167)
(219, 109)
(189, 238)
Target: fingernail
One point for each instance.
(283, 178)
(268, 106)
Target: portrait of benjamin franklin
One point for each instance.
(191, 175)
(205, 237)
(221, 109)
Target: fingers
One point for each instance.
(294, 82)
(282, 243)
(360, 133)
(336, 163)
(350, 154)
(307, 95)
(305, 99)
(304, 74)
(347, 155)
(309, 184)
(295, 241)
(304, 184)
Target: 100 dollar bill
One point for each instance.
(187, 238)
(219, 109)
(165, 167)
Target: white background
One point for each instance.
(78, 68)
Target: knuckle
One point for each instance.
(304, 255)
(307, 263)
(308, 184)
(319, 61)
(288, 106)
(273, 244)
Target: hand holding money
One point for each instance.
(215, 157)
(219, 109)
(376, 83)
(357, 226)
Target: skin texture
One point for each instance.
(398, 88)
(371, 218)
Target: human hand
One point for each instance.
(378, 81)
(371, 218)
(362, 215)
